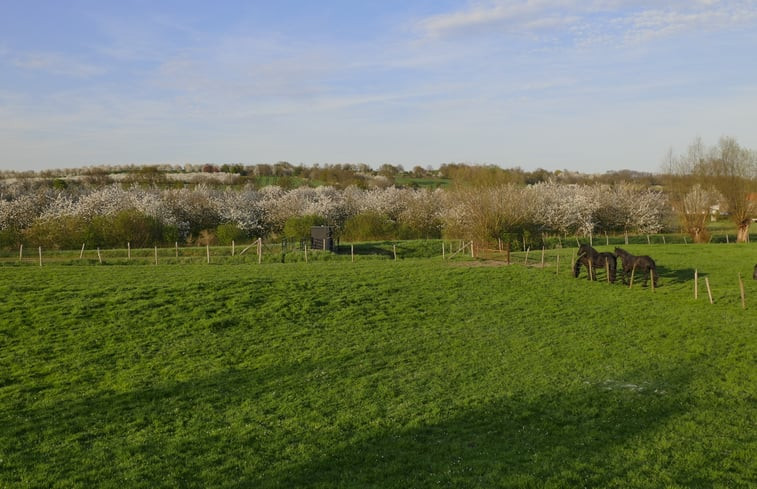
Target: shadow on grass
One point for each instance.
(674, 276)
(219, 432)
(365, 249)
(558, 439)
(387, 249)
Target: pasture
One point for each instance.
(418, 372)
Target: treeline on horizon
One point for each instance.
(287, 175)
(149, 205)
(109, 206)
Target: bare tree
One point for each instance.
(732, 170)
(726, 173)
(689, 202)
(486, 213)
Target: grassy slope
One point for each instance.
(414, 373)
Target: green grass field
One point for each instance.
(379, 373)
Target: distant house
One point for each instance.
(715, 212)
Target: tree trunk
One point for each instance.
(742, 235)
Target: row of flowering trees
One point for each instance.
(112, 215)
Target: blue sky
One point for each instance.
(590, 85)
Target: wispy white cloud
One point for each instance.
(648, 24)
(503, 15)
(54, 63)
(589, 22)
(149, 38)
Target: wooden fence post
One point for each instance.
(128, 250)
(156, 254)
(394, 251)
(260, 251)
(352, 252)
(207, 251)
(525, 262)
(696, 284)
(741, 287)
(81, 253)
(557, 267)
(99, 256)
(232, 247)
(176, 247)
(542, 256)
(709, 291)
(306, 253)
(443, 257)
(21, 252)
(40, 256)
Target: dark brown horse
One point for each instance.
(593, 259)
(631, 263)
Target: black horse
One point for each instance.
(593, 259)
(644, 264)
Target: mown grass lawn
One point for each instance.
(380, 373)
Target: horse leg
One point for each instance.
(646, 276)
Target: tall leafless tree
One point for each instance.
(725, 174)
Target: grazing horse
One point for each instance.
(593, 259)
(644, 264)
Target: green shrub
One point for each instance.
(66, 232)
(71, 232)
(297, 228)
(10, 238)
(134, 227)
(228, 232)
(369, 226)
